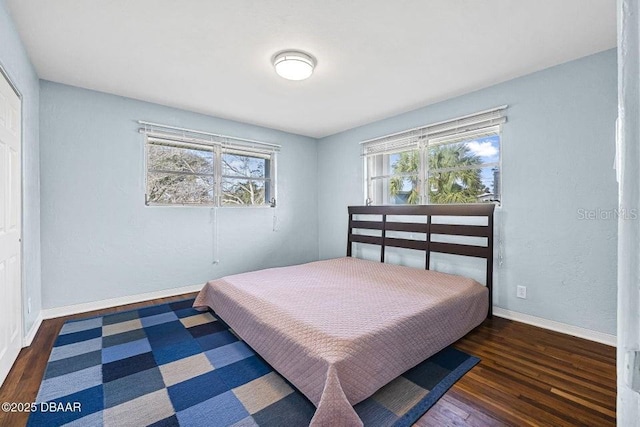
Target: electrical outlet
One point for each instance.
(29, 305)
(521, 292)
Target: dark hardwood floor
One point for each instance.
(527, 377)
(530, 377)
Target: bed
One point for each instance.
(340, 329)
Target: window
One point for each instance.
(207, 173)
(179, 174)
(246, 178)
(456, 161)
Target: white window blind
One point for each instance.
(178, 134)
(462, 128)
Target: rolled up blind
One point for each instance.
(460, 129)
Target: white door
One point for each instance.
(10, 216)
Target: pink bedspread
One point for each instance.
(340, 329)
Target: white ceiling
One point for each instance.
(376, 58)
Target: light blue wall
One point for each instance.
(100, 241)
(558, 150)
(14, 60)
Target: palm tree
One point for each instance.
(450, 185)
(406, 169)
(457, 185)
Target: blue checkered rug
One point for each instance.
(170, 365)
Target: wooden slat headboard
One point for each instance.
(425, 226)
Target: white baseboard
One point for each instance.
(28, 339)
(68, 310)
(552, 325)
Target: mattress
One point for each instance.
(340, 329)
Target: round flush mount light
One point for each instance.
(294, 65)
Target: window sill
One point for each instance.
(173, 205)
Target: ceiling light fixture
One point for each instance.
(294, 65)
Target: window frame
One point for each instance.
(499, 202)
(422, 147)
(218, 150)
(269, 177)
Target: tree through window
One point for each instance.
(179, 173)
(185, 173)
(245, 179)
(452, 162)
